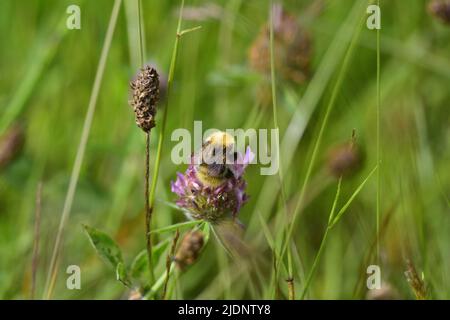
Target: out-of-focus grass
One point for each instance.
(47, 74)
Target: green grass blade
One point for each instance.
(378, 144)
(330, 106)
(53, 269)
(176, 226)
(322, 244)
(353, 196)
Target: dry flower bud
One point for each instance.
(145, 90)
(10, 144)
(190, 248)
(344, 159)
(292, 46)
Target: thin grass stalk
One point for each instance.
(334, 95)
(169, 263)
(141, 34)
(37, 232)
(276, 289)
(160, 282)
(148, 214)
(161, 138)
(148, 238)
(352, 197)
(272, 68)
(290, 279)
(151, 197)
(53, 268)
(314, 91)
(333, 219)
(315, 263)
(164, 120)
(360, 285)
(378, 145)
(322, 243)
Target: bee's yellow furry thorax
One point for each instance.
(221, 138)
(213, 175)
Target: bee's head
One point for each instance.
(221, 139)
(218, 148)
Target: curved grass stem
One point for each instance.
(166, 109)
(333, 219)
(378, 145)
(290, 279)
(343, 71)
(162, 134)
(54, 265)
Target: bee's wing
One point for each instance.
(230, 234)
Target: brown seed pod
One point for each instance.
(292, 48)
(189, 249)
(440, 9)
(344, 159)
(10, 144)
(145, 89)
(415, 282)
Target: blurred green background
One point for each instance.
(46, 79)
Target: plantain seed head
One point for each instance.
(145, 89)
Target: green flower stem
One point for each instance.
(162, 134)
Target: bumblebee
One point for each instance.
(215, 159)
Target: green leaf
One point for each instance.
(206, 229)
(183, 32)
(122, 274)
(105, 246)
(171, 205)
(140, 262)
(159, 249)
(176, 226)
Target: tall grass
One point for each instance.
(53, 268)
(317, 143)
(378, 144)
(290, 279)
(390, 85)
(307, 105)
(333, 219)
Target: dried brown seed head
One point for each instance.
(10, 144)
(145, 89)
(344, 159)
(441, 10)
(292, 48)
(190, 248)
(415, 282)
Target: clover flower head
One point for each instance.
(212, 203)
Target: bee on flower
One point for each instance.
(213, 187)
